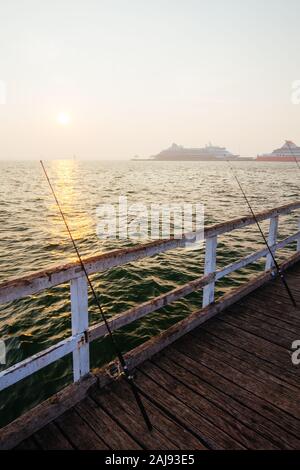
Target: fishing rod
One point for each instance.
(279, 272)
(127, 375)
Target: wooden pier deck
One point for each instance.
(228, 384)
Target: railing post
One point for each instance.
(80, 323)
(272, 238)
(210, 267)
(298, 241)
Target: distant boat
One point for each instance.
(208, 153)
(289, 152)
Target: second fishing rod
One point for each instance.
(276, 265)
(127, 374)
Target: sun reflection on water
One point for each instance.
(65, 177)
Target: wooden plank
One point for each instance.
(281, 296)
(262, 348)
(249, 354)
(34, 283)
(266, 314)
(80, 324)
(152, 385)
(175, 381)
(79, 433)
(253, 378)
(238, 420)
(28, 444)
(260, 329)
(278, 407)
(259, 303)
(256, 308)
(51, 438)
(249, 311)
(219, 390)
(249, 360)
(173, 431)
(132, 422)
(281, 291)
(107, 429)
(35, 419)
(293, 276)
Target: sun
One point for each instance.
(63, 119)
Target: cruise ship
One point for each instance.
(208, 153)
(289, 152)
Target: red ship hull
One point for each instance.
(266, 158)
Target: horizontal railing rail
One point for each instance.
(83, 334)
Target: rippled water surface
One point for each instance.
(33, 237)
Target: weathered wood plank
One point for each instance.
(176, 381)
(173, 431)
(79, 433)
(287, 380)
(232, 416)
(262, 348)
(43, 414)
(150, 382)
(107, 428)
(281, 296)
(210, 384)
(28, 444)
(274, 317)
(243, 386)
(132, 422)
(260, 381)
(259, 303)
(261, 329)
(51, 438)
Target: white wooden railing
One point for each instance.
(82, 334)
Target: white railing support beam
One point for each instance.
(80, 324)
(210, 267)
(272, 238)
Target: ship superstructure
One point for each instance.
(289, 152)
(209, 152)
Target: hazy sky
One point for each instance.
(134, 76)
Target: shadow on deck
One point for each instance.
(229, 384)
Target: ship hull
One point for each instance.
(267, 158)
(191, 159)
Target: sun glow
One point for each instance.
(63, 119)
